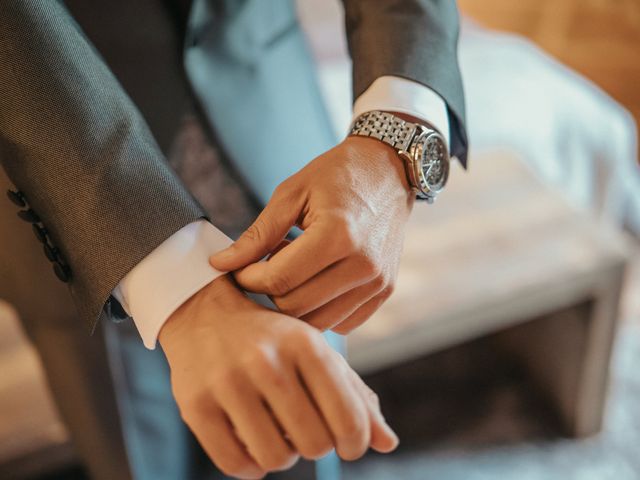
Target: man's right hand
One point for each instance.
(259, 388)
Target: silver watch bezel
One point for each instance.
(415, 153)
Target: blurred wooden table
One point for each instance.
(500, 249)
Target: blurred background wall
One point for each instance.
(598, 38)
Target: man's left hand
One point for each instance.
(352, 203)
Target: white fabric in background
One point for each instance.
(568, 130)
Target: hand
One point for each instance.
(352, 203)
(258, 388)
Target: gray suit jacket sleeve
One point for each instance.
(414, 39)
(74, 144)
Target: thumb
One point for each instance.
(264, 235)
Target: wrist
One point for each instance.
(217, 296)
(421, 147)
(381, 159)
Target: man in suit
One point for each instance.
(258, 388)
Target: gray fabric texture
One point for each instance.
(73, 142)
(416, 39)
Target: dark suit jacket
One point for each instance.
(85, 161)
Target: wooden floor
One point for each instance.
(598, 38)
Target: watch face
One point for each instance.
(434, 162)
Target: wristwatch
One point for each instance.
(422, 148)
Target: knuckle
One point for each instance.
(341, 329)
(187, 414)
(345, 234)
(309, 341)
(297, 417)
(223, 378)
(278, 284)
(372, 398)
(379, 283)
(265, 364)
(256, 230)
(259, 360)
(274, 377)
(284, 188)
(322, 323)
(234, 466)
(297, 339)
(288, 306)
(388, 290)
(280, 190)
(353, 435)
(353, 454)
(287, 191)
(316, 449)
(353, 431)
(278, 461)
(301, 342)
(370, 266)
(192, 405)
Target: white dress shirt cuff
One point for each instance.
(396, 94)
(169, 276)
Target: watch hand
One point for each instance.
(428, 172)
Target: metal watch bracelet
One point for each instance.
(386, 127)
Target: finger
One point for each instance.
(215, 433)
(295, 411)
(256, 428)
(296, 263)
(332, 282)
(383, 438)
(361, 315)
(279, 247)
(341, 308)
(342, 408)
(266, 232)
